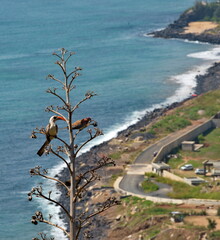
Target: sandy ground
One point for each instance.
(202, 220)
(199, 27)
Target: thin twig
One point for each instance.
(54, 179)
(77, 105)
(56, 202)
(63, 142)
(63, 159)
(55, 79)
(57, 226)
(87, 141)
(57, 95)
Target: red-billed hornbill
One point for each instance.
(50, 132)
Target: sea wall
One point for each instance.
(190, 135)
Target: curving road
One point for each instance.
(135, 172)
(134, 186)
(130, 183)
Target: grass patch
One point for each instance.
(149, 186)
(182, 116)
(182, 190)
(175, 162)
(137, 201)
(145, 207)
(153, 232)
(115, 155)
(211, 150)
(170, 123)
(195, 163)
(215, 234)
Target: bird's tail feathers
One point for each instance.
(41, 150)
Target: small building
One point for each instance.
(159, 167)
(188, 145)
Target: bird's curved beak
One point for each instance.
(61, 118)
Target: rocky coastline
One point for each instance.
(177, 30)
(207, 82)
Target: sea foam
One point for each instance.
(213, 54)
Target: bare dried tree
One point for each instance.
(67, 152)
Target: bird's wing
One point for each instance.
(77, 124)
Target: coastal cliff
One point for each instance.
(199, 13)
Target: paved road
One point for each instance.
(134, 186)
(136, 171)
(130, 183)
(147, 155)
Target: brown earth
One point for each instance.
(180, 234)
(202, 221)
(199, 27)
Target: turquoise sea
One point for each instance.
(130, 71)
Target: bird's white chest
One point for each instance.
(52, 130)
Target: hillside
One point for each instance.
(146, 220)
(199, 23)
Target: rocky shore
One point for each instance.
(209, 81)
(177, 30)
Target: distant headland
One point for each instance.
(198, 23)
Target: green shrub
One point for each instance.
(215, 234)
(151, 175)
(211, 224)
(208, 11)
(149, 186)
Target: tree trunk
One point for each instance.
(72, 203)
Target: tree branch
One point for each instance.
(70, 54)
(88, 96)
(63, 159)
(98, 133)
(36, 171)
(106, 205)
(38, 217)
(55, 79)
(55, 94)
(88, 181)
(64, 143)
(57, 226)
(38, 192)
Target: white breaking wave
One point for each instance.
(213, 54)
(187, 83)
(195, 41)
(50, 185)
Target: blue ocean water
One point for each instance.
(130, 72)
